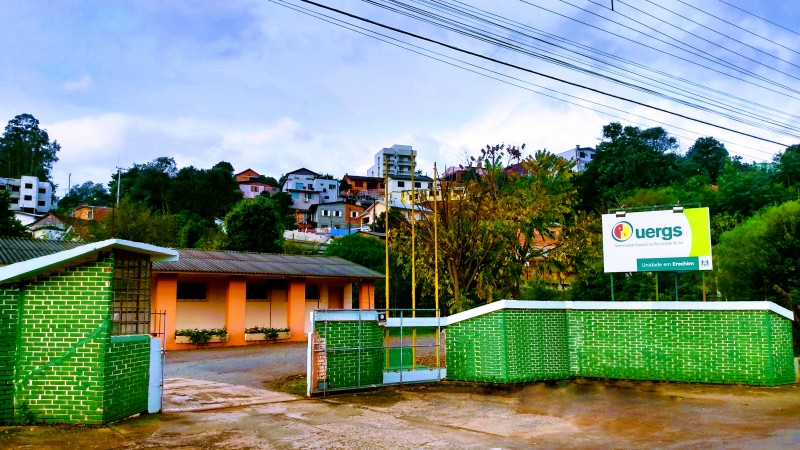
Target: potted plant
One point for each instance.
(201, 336)
(266, 334)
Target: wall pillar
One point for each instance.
(165, 296)
(235, 310)
(296, 319)
(366, 295)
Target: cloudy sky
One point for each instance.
(266, 87)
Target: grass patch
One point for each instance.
(295, 385)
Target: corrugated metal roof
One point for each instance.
(243, 263)
(14, 250)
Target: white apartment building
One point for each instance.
(28, 194)
(399, 158)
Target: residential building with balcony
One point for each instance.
(399, 159)
(401, 187)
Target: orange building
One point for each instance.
(237, 290)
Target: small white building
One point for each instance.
(28, 194)
(581, 155)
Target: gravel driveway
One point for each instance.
(220, 399)
(254, 366)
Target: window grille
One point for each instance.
(131, 293)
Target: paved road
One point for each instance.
(253, 366)
(208, 413)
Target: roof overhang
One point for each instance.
(36, 266)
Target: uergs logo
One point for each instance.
(622, 231)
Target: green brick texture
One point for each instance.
(8, 346)
(355, 353)
(518, 345)
(63, 339)
(692, 346)
(58, 362)
(509, 346)
(127, 375)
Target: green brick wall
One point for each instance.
(353, 368)
(751, 347)
(58, 361)
(63, 339)
(509, 346)
(127, 374)
(8, 337)
(692, 346)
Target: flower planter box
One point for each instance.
(214, 338)
(263, 336)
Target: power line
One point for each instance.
(480, 15)
(713, 43)
(551, 77)
(662, 51)
(461, 28)
(759, 17)
(733, 25)
(494, 75)
(709, 56)
(490, 37)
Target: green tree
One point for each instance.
(396, 220)
(10, 226)
(255, 225)
(366, 251)
(788, 170)
(207, 193)
(538, 203)
(137, 222)
(284, 205)
(762, 254)
(88, 193)
(25, 149)
(628, 159)
(147, 183)
(710, 155)
(744, 189)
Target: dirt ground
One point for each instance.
(207, 408)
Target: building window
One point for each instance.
(257, 292)
(309, 196)
(583, 154)
(191, 292)
(337, 214)
(42, 191)
(354, 214)
(28, 198)
(130, 307)
(40, 203)
(295, 195)
(28, 186)
(331, 186)
(253, 188)
(417, 184)
(401, 184)
(312, 292)
(324, 213)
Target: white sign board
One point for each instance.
(657, 241)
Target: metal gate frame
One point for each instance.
(395, 347)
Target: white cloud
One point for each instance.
(83, 83)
